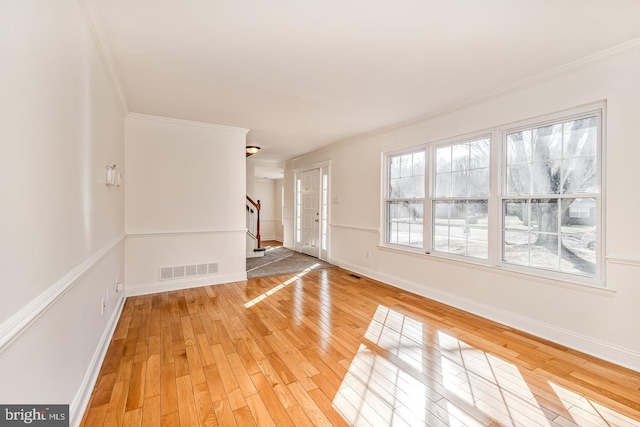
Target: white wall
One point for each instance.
(278, 228)
(62, 228)
(598, 322)
(250, 177)
(185, 201)
(264, 190)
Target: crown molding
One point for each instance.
(149, 117)
(104, 51)
(590, 60)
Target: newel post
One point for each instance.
(258, 228)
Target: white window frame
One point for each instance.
(599, 111)
(432, 195)
(497, 194)
(426, 221)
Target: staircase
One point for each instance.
(253, 229)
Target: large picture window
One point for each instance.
(552, 197)
(524, 197)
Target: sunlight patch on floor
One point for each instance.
(280, 286)
(403, 374)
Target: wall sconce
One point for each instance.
(111, 175)
(252, 149)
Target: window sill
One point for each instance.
(506, 270)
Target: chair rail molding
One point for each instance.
(16, 325)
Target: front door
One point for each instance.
(310, 210)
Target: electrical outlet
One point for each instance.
(103, 305)
(367, 254)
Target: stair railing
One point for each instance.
(253, 218)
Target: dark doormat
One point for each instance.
(281, 260)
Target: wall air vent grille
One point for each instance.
(202, 269)
(178, 271)
(166, 273)
(192, 270)
(181, 271)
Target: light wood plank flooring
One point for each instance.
(270, 243)
(326, 348)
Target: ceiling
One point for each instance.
(305, 74)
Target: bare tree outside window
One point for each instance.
(551, 171)
(542, 215)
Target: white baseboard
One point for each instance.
(174, 285)
(81, 400)
(601, 349)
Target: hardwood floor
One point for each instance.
(327, 348)
(270, 243)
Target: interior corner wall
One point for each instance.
(595, 322)
(62, 227)
(185, 202)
